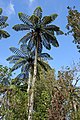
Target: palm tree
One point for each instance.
(3, 24)
(42, 33)
(24, 58)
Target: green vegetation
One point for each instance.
(37, 93)
(3, 24)
(73, 25)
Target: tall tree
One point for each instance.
(24, 58)
(3, 24)
(41, 34)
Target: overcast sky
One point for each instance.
(67, 51)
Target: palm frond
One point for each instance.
(45, 42)
(26, 38)
(13, 61)
(20, 27)
(50, 37)
(30, 44)
(38, 12)
(49, 19)
(4, 34)
(34, 19)
(18, 64)
(17, 52)
(44, 65)
(45, 56)
(25, 18)
(3, 19)
(1, 11)
(52, 40)
(24, 48)
(51, 27)
(13, 57)
(25, 67)
(59, 32)
(53, 16)
(3, 25)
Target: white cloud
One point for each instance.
(10, 9)
(31, 1)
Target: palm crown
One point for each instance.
(40, 29)
(3, 24)
(24, 58)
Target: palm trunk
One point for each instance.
(32, 89)
(28, 89)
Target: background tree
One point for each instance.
(3, 24)
(5, 80)
(74, 25)
(43, 94)
(66, 95)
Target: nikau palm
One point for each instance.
(3, 24)
(42, 33)
(24, 58)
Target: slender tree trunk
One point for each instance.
(33, 84)
(28, 89)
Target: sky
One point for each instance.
(65, 54)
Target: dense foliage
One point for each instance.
(66, 95)
(74, 25)
(55, 98)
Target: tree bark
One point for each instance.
(28, 89)
(32, 87)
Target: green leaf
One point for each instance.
(53, 16)
(59, 32)
(4, 25)
(27, 37)
(24, 48)
(20, 27)
(51, 38)
(52, 27)
(46, 56)
(34, 19)
(49, 19)
(4, 34)
(19, 64)
(38, 12)
(3, 19)
(13, 57)
(17, 51)
(45, 42)
(25, 18)
(25, 67)
(46, 20)
(1, 11)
